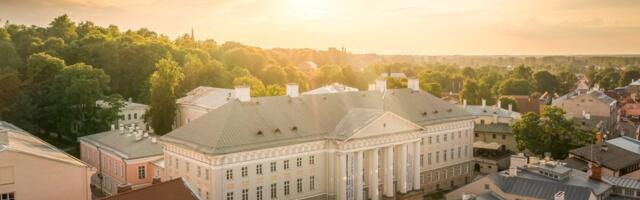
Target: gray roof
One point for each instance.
(332, 88)
(479, 110)
(622, 182)
(283, 120)
(621, 152)
(493, 128)
(124, 145)
(578, 186)
(207, 97)
(626, 143)
(596, 94)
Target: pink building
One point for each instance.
(125, 158)
(32, 169)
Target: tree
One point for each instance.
(506, 101)
(470, 92)
(273, 90)
(551, 132)
(468, 72)
(63, 27)
(628, 76)
(163, 84)
(75, 91)
(546, 82)
(9, 57)
(432, 88)
(515, 87)
(255, 84)
(522, 72)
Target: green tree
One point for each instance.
(546, 82)
(470, 92)
(9, 57)
(469, 72)
(506, 101)
(515, 87)
(432, 88)
(256, 85)
(63, 27)
(273, 90)
(551, 132)
(628, 76)
(163, 85)
(522, 72)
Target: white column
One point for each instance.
(388, 172)
(373, 174)
(402, 173)
(359, 182)
(342, 176)
(416, 165)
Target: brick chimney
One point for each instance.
(293, 90)
(595, 172)
(243, 93)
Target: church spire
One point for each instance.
(192, 36)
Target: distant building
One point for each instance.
(493, 137)
(130, 113)
(331, 88)
(33, 169)
(525, 103)
(399, 75)
(533, 178)
(176, 189)
(126, 158)
(394, 143)
(591, 107)
(200, 101)
(619, 157)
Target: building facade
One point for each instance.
(32, 169)
(125, 158)
(396, 143)
(593, 104)
(130, 113)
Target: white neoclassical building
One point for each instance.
(380, 144)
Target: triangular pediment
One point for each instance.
(387, 123)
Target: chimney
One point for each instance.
(547, 156)
(113, 127)
(499, 104)
(510, 108)
(559, 196)
(484, 103)
(596, 172)
(604, 147)
(243, 93)
(130, 100)
(518, 161)
(292, 90)
(513, 171)
(372, 87)
(381, 85)
(145, 134)
(138, 135)
(413, 84)
(123, 188)
(154, 140)
(464, 103)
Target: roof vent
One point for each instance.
(259, 132)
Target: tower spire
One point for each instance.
(192, 36)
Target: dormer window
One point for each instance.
(424, 114)
(294, 128)
(435, 112)
(259, 133)
(277, 130)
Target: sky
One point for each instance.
(425, 27)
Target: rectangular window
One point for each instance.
(444, 156)
(493, 136)
(298, 162)
(128, 116)
(273, 166)
(177, 163)
(286, 164)
(437, 156)
(299, 185)
(312, 160)
(312, 183)
(437, 139)
(452, 152)
(444, 139)
(421, 160)
(459, 134)
(141, 172)
(259, 193)
(286, 188)
(199, 171)
(245, 194)
(245, 171)
(8, 196)
(229, 174)
(135, 115)
(259, 169)
(466, 150)
(476, 134)
(229, 195)
(429, 159)
(187, 164)
(459, 152)
(206, 174)
(274, 191)
(504, 136)
(207, 195)
(429, 139)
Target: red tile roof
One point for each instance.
(169, 190)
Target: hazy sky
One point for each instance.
(369, 26)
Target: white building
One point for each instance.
(200, 101)
(331, 88)
(130, 113)
(352, 145)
